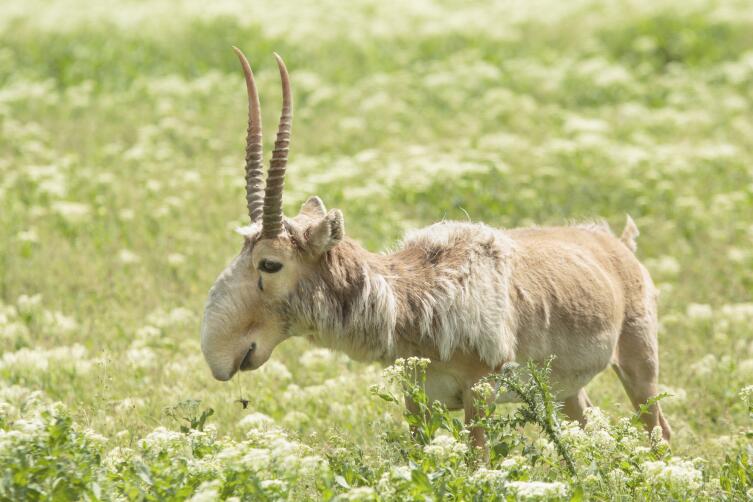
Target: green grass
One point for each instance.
(511, 115)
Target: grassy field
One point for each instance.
(121, 158)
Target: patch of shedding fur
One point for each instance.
(447, 285)
(594, 225)
(467, 307)
(248, 230)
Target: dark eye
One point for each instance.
(269, 266)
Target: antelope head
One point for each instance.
(245, 316)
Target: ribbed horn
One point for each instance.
(272, 219)
(254, 146)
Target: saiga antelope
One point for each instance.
(465, 295)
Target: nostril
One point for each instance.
(253, 347)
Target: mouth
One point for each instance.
(246, 363)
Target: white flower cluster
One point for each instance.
(67, 357)
(317, 358)
(699, 311)
(167, 318)
(359, 494)
(16, 320)
(537, 490)
(738, 312)
(162, 439)
(405, 368)
(255, 420)
(276, 371)
(747, 396)
(495, 478)
(676, 474)
(704, 366)
(445, 448)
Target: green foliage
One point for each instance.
(189, 407)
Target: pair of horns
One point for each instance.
(266, 206)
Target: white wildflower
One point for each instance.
(142, 357)
(738, 312)
(295, 419)
(127, 214)
(747, 396)
(666, 266)
(208, 491)
(496, 478)
(745, 368)
(94, 437)
(537, 489)
(595, 419)
(737, 255)
(176, 259)
(656, 436)
(30, 426)
(128, 257)
(29, 235)
(445, 448)
(316, 358)
(72, 212)
(515, 462)
(190, 176)
(483, 390)
(129, 404)
(386, 487)
(404, 368)
(257, 459)
(255, 420)
(401, 472)
(148, 334)
(117, 456)
(153, 185)
(704, 366)
(677, 473)
(312, 465)
(13, 331)
(176, 316)
(64, 357)
(29, 305)
(160, 439)
(618, 476)
(359, 493)
(59, 322)
(275, 485)
(699, 311)
(276, 370)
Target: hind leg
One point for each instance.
(636, 362)
(575, 406)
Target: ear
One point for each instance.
(313, 207)
(327, 233)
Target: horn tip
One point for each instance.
(242, 57)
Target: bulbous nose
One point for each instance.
(217, 354)
(222, 376)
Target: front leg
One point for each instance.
(478, 435)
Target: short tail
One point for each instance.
(629, 234)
